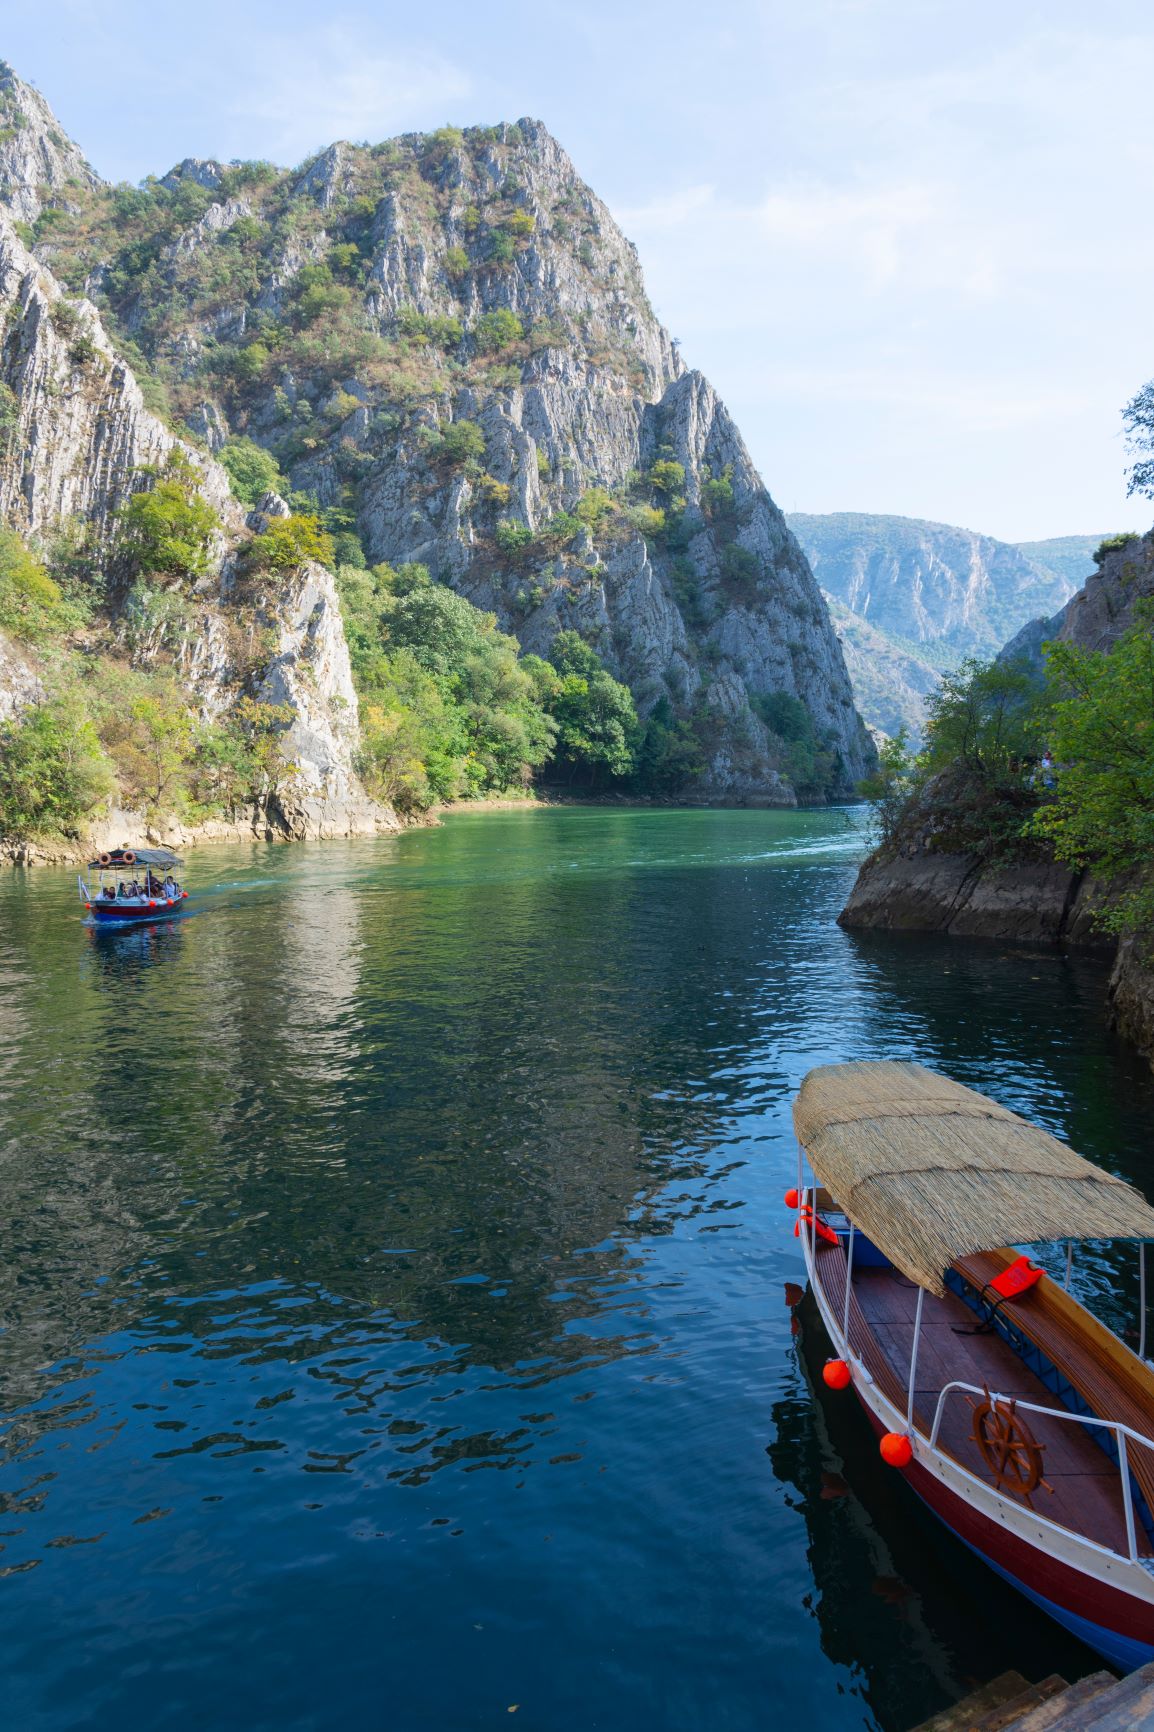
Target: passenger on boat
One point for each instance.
(170, 889)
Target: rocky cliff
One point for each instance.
(77, 438)
(446, 344)
(915, 597)
(919, 883)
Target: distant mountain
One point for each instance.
(911, 598)
(891, 682)
(1068, 557)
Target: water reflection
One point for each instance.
(425, 1195)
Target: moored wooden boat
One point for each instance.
(150, 890)
(1023, 1422)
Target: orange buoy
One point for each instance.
(836, 1373)
(791, 1199)
(897, 1449)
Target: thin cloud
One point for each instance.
(313, 91)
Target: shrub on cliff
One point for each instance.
(286, 542)
(168, 529)
(252, 471)
(32, 606)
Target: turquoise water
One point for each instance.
(393, 1286)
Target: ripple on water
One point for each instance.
(393, 1284)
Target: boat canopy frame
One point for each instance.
(931, 1171)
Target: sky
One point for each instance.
(909, 242)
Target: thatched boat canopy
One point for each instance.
(931, 1171)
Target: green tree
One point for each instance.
(497, 330)
(981, 717)
(670, 755)
(168, 529)
(512, 538)
(286, 542)
(251, 469)
(888, 789)
(594, 714)
(1100, 729)
(459, 443)
(666, 476)
(32, 606)
(53, 774)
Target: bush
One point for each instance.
(512, 538)
(497, 330)
(666, 476)
(502, 250)
(740, 569)
(717, 496)
(647, 519)
(252, 471)
(443, 333)
(9, 413)
(456, 262)
(53, 773)
(169, 529)
(1111, 545)
(290, 541)
(458, 443)
(32, 606)
(495, 492)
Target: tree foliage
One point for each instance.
(1101, 732)
(286, 542)
(53, 773)
(251, 469)
(168, 529)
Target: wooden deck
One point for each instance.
(1087, 1491)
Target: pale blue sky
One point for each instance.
(908, 241)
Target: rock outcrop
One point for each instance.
(75, 443)
(38, 163)
(351, 315)
(918, 884)
(80, 431)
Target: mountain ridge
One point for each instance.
(445, 343)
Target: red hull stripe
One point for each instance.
(1097, 1602)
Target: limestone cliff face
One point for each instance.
(348, 315)
(911, 598)
(1096, 615)
(928, 583)
(80, 435)
(81, 429)
(37, 160)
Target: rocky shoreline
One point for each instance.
(1038, 902)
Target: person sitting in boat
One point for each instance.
(108, 892)
(170, 889)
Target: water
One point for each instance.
(392, 1287)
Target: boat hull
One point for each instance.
(1096, 1594)
(119, 913)
(1115, 1624)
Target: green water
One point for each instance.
(393, 1278)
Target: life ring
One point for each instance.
(1008, 1446)
(128, 857)
(104, 860)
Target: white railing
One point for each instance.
(1121, 1432)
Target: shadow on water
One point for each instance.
(391, 1287)
(933, 1622)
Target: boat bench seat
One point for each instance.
(1112, 1381)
